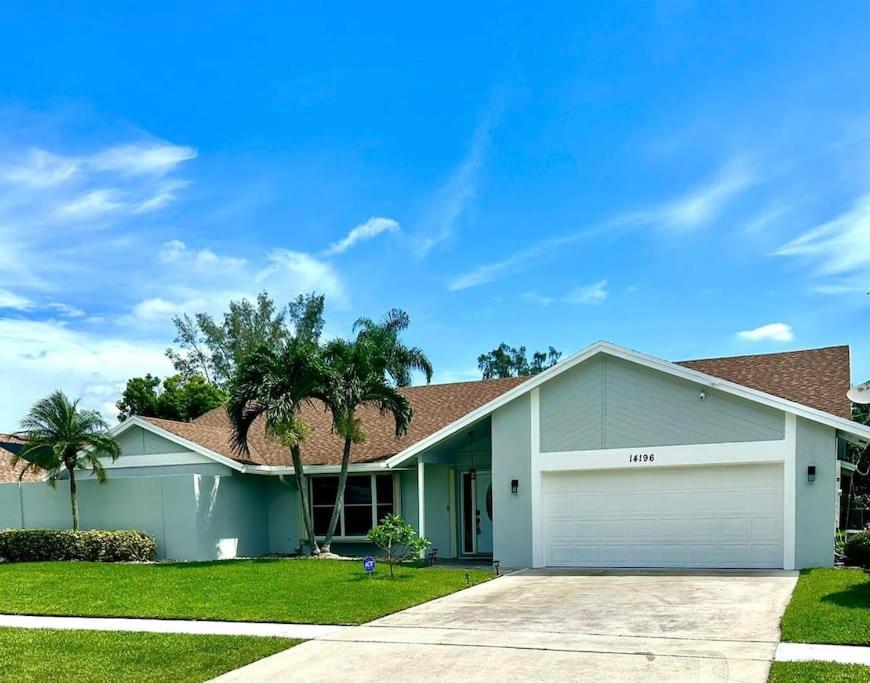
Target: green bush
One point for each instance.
(857, 549)
(38, 545)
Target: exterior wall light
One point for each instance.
(515, 486)
(811, 474)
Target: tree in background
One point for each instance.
(214, 349)
(180, 398)
(61, 437)
(507, 361)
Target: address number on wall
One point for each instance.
(640, 458)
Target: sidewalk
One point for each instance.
(219, 628)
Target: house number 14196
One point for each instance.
(641, 457)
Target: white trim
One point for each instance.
(536, 483)
(789, 493)
(847, 426)
(421, 503)
(663, 456)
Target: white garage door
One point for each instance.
(710, 516)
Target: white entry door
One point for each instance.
(704, 516)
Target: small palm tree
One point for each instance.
(275, 381)
(61, 437)
(360, 371)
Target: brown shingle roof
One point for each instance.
(818, 378)
(8, 473)
(435, 406)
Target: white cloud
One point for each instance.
(176, 252)
(39, 169)
(14, 301)
(155, 158)
(452, 199)
(93, 203)
(161, 309)
(39, 357)
(293, 272)
(838, 247)
(697, 208)
(364, 231)
(537, 299)
(779, 332)
(171, 251)
(588, 294)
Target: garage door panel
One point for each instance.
(720, 516)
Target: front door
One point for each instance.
(476, 491)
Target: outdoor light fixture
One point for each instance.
(515, 486)
(811, 474)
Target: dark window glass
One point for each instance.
(322, 516)
(357, 520)
(358, 491)
(323, 490)
(384, 484)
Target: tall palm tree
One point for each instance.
(61, 437)
(275, 382)
(360, 371)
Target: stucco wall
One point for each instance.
(190, 516)
(815, 503)
(609, 402)
(511, 459)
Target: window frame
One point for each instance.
(339, 531)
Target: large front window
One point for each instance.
(368, 498)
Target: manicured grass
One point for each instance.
(295, 591)
(829, 606)
(818, 672)
(50, 655)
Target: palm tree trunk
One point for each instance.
(73, 496)
(296, 453)
(339, 495)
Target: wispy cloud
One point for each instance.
(453, 197)
(779, 332)
(13, 301)
(697, 208)
(537, 299)
(838, 247)
(767, 216)
(153, 158)
(364, 231)
(588, 294)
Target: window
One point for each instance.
(367, 500)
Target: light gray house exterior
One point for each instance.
(611, 458)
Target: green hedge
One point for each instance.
(857, 549)
(36, 545)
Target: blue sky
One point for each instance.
(687, 179)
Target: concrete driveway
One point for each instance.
(549, 625)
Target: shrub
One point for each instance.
(857, 549)
(398, 539)
(36, 545)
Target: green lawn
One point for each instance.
(49, 655)
(294, 591)
(818, 672)
(829, 606)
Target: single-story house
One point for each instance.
(611, 458)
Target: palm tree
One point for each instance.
(275, 382)
(61, 437)
(359, 375)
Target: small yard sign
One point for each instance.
(369, 564)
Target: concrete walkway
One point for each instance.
(555, 625)
(808, 652)
(216, 628)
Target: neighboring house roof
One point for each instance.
(817, 379)
(9, 445)
(435, 406)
